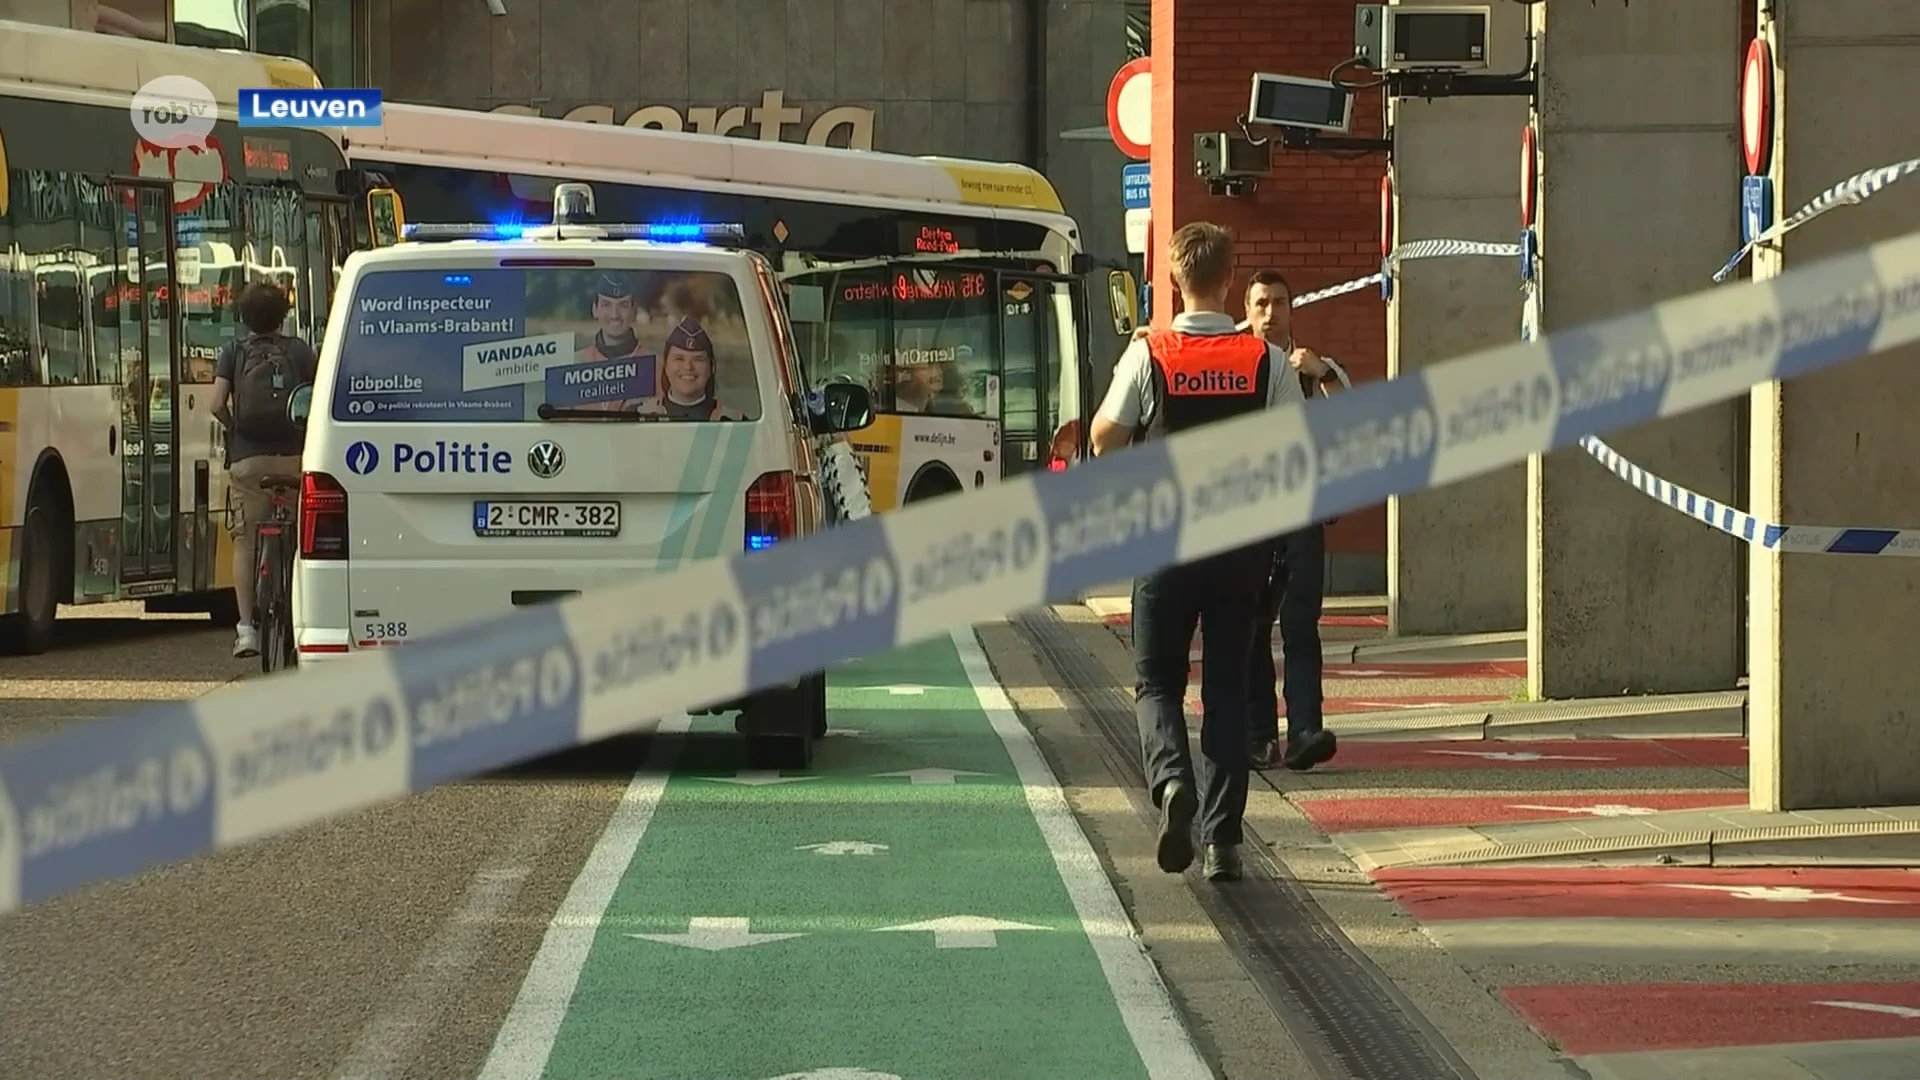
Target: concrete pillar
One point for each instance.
(1638, 138)
(1457, 556)
(1834, 709)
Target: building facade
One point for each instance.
(999, 80)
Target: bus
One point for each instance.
(954, 290)
(119, 262)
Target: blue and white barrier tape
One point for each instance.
(1848, 192)
(1821, 539)
(1817, 539)
(1419, 249)
(110, 799)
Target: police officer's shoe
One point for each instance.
(1266, 753)
(1310, 750)
(1222, 862)
(1175, 850)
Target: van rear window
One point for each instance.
(534, 345)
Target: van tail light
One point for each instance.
(771, 512)
(323, 517)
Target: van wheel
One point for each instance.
(814, 692)
(29, 631)
(781, 753)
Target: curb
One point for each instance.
(1653, 716)
(1859, 843)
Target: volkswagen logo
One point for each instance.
(362, 458)
(546, 459)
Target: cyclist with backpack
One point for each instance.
(253, 378)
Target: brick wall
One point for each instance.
(1316, 218)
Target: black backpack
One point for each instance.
(263, 380)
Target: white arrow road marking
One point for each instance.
(961, 931)
(931, 776)
(714, 935)
(1517, 755)
(845, 732)
(1784, 894)
(844, 847)
(1874, 1007)
(1600, 810)
(757, 778)
(837, 1074)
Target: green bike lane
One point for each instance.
(922, 905)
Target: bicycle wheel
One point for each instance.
(271, 620)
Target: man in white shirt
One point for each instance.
(1205, 370)
(1295, 590)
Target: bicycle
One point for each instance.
(274, 545)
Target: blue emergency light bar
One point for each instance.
(670, 232)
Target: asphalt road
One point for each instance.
(394, 940)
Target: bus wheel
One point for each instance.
(29, 631)
(933, 485)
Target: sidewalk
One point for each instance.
(1595, 867)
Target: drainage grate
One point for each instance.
(1342, 1012)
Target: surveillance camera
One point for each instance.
(1309, 104)
(1220, 155)
(1430, 37)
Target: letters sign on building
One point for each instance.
(772, 120)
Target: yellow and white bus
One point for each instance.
(953, 289)
(119, 260)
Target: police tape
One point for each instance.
(110, 799)
(1849, 192)
(1813, 539)
(1418, 249)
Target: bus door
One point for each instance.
(1040, 384)
(329, 238)
(149, 333)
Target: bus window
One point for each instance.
(59, 312)
(944, 348)
(848, 342)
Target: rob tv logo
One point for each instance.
(309, 108)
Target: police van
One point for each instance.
(507, 416)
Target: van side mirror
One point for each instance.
(840, 407)
(386, 218)
(299, 404)
(1123, 300)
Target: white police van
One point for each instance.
(505, 417)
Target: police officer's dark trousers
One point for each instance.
(1294, 595)
(1218, 595)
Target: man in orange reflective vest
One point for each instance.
(1205, 370)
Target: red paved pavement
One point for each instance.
(1616, 1018)
(1542, 754)
(1334, 814)
(1517, 892)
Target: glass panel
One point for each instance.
(505, 345)
(155, 238)
(333, 42)
(126, 18)
(210, 24)
(17, 366)
(283, 28)
(1023, 342)
(276, 249)
(207, 263)
(842, 327)
(101, 237)
(943, 342)
(46, 238)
